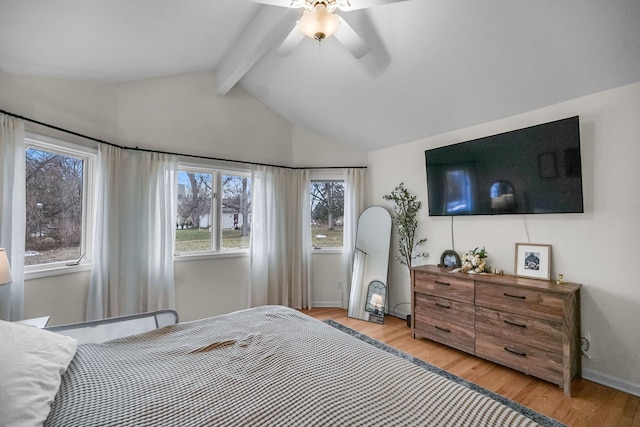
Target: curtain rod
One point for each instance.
(27, 119)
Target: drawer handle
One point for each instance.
(442, 283)
(443, 305)
(515, 324)
(517, 353)
(442, 329)
(514, 296)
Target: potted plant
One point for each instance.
(405, 221)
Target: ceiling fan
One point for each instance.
(318, 21)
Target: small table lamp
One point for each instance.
(5, 271)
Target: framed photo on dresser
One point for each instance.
(533, 260)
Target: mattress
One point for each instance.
(267, 366)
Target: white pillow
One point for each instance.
(32, 362)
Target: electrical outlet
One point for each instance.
(339, 283)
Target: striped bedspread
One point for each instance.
(268, 366)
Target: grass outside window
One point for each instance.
(199, 239)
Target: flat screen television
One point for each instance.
(533, 170)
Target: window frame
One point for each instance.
(89, 156)
(326, 175)
(217, 170)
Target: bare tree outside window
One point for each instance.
(236, 212)
(327, 211)
(54, 207)
(194, 228)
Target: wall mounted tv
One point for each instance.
(526, 171)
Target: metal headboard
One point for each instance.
(98, 331)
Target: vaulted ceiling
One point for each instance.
(434, 65)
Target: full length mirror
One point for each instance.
(368, 295)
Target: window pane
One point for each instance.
(327, 210)
(193, 231)
(236, 206)
(54, 203)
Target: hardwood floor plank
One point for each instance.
(540, 396)
(631, 411)
(591, 404)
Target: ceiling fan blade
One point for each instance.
(351, 40)
(290, 42)
(363, 4)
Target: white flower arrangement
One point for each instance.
(474, 261)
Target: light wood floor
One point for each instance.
(591, 404)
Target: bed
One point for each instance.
(266, 366)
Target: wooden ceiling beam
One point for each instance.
(269, 28)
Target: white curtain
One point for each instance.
(134, 233)
(280, 238)
(353, 205)
(12, 213)
(300, 238)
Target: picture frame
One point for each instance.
(533, 261)
(450, 259)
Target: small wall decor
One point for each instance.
(450, 259)
(533, 260)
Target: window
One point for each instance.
(236, 211)
(57, 194)
(214, 211)
(327, 210)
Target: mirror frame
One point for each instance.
(370, 265)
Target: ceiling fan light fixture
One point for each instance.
(318, 23)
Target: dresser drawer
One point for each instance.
(539, 333)
(448, 310)
(451, 334)
(530, 360)
(445, 286)
(524, 301)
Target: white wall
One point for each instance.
(327, 278)
(209, 287)
(597, 248)
(63, 298)
(85, 107)
(184, 114)
(310, 149)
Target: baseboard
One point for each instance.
(330, 304)
(400, 314)
(613, 382)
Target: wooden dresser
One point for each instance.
(526, 324)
